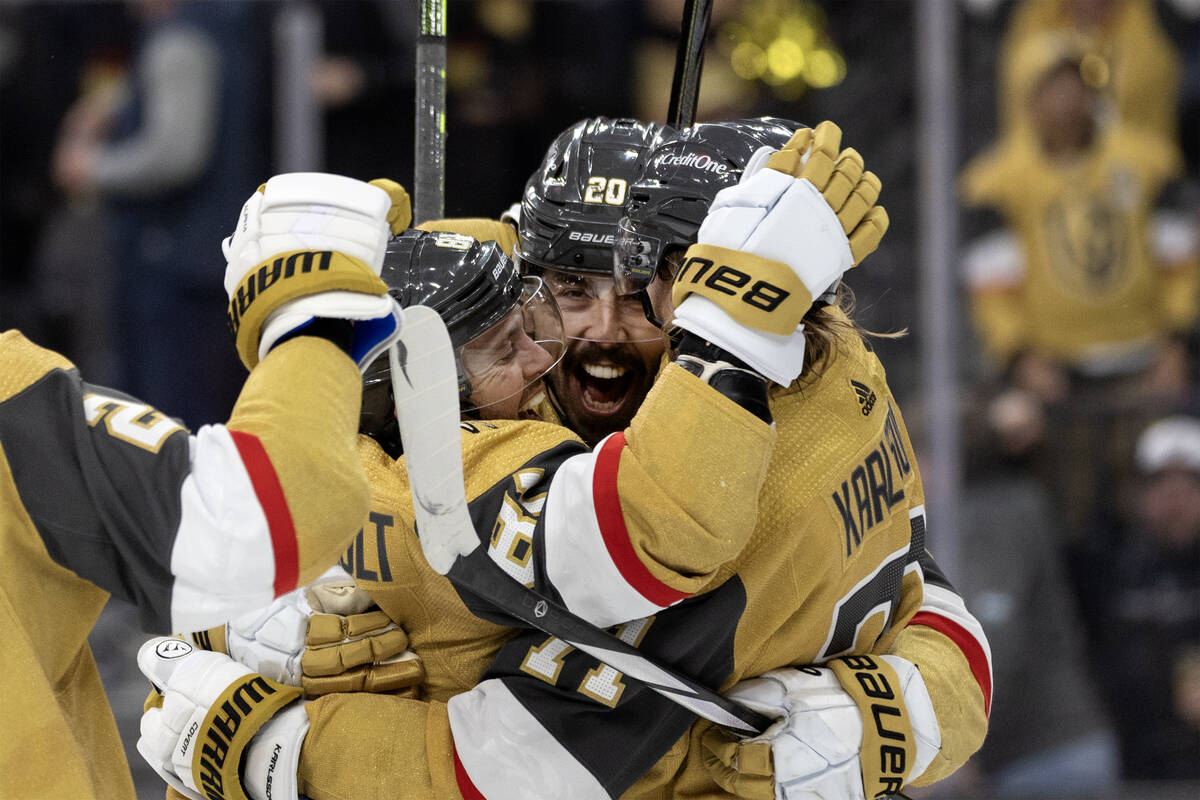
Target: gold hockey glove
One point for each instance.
(325, 637)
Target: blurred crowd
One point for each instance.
(129, 131)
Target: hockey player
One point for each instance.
(842, 480)
(104, 495)
(641, 573)
(917, 619)
(567, 225)
(512, 466)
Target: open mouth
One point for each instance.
(529, 407)
(603, 388)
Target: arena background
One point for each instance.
(911, 82)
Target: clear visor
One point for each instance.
(635, 257)
(595, 310)
(510, 358)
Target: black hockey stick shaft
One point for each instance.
(429, 162)
(479, 575)
(689, 60)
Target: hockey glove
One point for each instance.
(326, 637)
(310, 246)
(861, 728)
(216, 729)
(772, 244)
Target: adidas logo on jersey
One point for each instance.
(866, 397)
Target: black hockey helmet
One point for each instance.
(471, 284)
(474, 287)
(670, 196)
(572, 203)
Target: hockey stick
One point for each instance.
(689, 60)
(425, 384)
(429, 161)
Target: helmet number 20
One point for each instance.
(606, 190)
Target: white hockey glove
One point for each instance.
(773, 244)
(325, 637)
(819, 747)
(310, 246)
(217, 729)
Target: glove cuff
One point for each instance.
(779, 358)
(377, 321)
(893, 752)
(760, 293)
(234, 717)
(273, 757)
(214, 639)
(267, 288)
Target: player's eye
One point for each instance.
(509, 353)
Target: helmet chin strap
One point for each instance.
(648, 309)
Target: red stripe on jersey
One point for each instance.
(275, 508)
(468, 789)
(612, 527)
(977, 659)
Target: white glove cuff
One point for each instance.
(273, 756)
(333, 305)
(779, 358)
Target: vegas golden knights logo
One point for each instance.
(1087, 245)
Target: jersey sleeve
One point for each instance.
(937, 633)
(192, 529)
(933, 629)
(651, 516)
(400, 748)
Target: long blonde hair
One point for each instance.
(826, 325)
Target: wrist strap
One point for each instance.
(726, 373)
(338, 331)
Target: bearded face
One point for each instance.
(599, 386)
(612, 355)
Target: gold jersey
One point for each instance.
(1085, 284)
(747, 550)
(101, 496)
